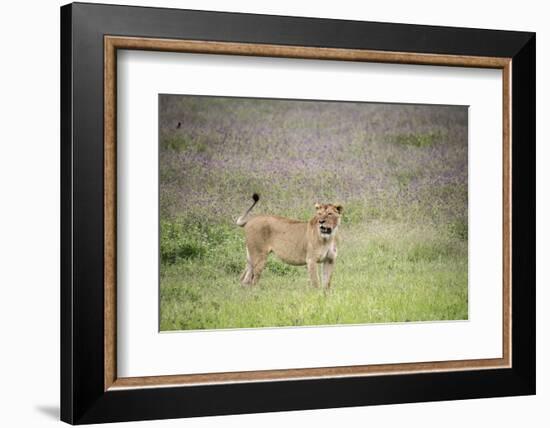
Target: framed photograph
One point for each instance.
(266, 213)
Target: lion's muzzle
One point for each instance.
(325, 230)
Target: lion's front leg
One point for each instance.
(312, 270)
(328, 267)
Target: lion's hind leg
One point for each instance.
(246, 276)
(257, 259)
(258, 268)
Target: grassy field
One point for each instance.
(399, 170)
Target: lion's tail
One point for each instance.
(242, 220)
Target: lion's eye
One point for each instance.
(329, 214)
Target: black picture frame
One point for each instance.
(83, 398)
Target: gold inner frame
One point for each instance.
(113, 43)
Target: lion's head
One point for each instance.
(327, 219)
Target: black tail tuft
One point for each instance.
(242, 220)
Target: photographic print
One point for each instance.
(282, 212)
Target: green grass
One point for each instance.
(416, 139)
(385, 273)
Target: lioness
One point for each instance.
(294, 242)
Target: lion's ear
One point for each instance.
(317, 205)
(339, 208)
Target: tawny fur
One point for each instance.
(292, 241)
